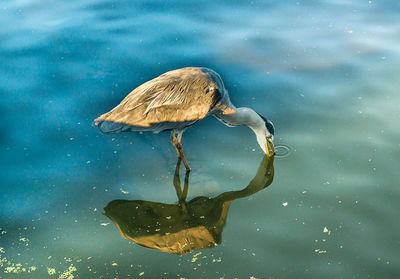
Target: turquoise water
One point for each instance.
(326, 73)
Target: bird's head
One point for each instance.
(265, 137)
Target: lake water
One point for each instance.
(325, 72)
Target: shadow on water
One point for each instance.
(185, 226)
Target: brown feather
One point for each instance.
(183, 95)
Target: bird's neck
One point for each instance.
(248, 117)
(244, 116)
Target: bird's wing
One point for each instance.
(182, 95)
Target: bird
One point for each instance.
(176, 100)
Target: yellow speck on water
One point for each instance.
(168, 217)
(217, 260)
(319, 251)
(32, 268)
(88, 162)
(67, 274)
(15, 268)
(252, 277)
(124, 192)
(350, 31)
(23, 239)
(51, 271)
(195, 257)
(114, 264)
(141, 273)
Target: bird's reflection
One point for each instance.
(185, 226)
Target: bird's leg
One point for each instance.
(174, 141)
(179, 146)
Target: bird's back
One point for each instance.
(173, 100)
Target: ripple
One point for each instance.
(282, 150)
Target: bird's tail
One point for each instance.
(108, 127)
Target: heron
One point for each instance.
(176, 100)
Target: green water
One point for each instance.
(325, 73)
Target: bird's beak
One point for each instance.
(269, 145)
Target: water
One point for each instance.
(325, 72)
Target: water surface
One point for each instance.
(325, 72)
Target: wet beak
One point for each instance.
(269, 145)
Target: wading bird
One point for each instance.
(178, 99)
